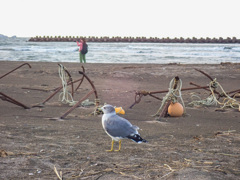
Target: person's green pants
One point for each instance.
(82, 57)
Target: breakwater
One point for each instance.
(134, 39)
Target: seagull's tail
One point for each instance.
(136, 138)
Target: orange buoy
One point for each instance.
(119, 110)
(175, 109)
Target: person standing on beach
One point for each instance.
(83, 49)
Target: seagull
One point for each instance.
(119, 128)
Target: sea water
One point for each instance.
(20, 49)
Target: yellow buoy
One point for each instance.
(119, 110)
(175, 109)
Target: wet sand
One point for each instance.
(203, 144)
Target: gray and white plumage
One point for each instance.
(117, 127)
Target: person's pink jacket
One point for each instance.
(80, 46)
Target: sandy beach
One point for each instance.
(202, 144)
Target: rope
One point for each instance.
(172, 95)
(209, 101)
(228, 101)
(98, 109)
(65, 97)
(212, 100)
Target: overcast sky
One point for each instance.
(151, 18)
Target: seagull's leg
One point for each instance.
(111, 146)
(120, 142)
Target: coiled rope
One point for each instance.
(212, 100)
(172, 95)
(65, 97)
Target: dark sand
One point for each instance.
(203, 144)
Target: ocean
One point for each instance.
(19, 49)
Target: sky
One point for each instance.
(136, 18)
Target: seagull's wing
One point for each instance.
(117, 126)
